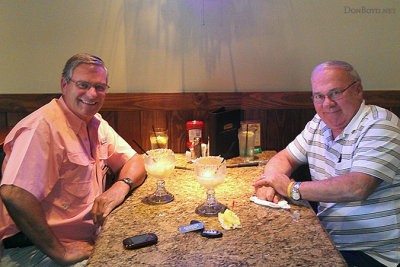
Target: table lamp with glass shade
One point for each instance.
(159, 163)
(210, 172)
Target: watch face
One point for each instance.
(295, 195)
(295, 191)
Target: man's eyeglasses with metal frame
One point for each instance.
(100, 87)
(334, 94)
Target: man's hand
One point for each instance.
(267, 193)
(77, 251)
(271, 186)
(28, 215)
(107, 201)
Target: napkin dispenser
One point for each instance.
(223, 128)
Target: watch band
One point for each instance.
(128, 181)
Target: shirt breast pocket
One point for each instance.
(78, 179)
(103, 151)
(344, 166)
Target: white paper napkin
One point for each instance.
(282, 204)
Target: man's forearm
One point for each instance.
(106, 202)
(348, 187)
(276, 175)
(281, 163)
(134, 169)
(29, 217)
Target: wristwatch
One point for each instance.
(128, 181)
(295, 193)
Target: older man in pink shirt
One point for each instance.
(53, 194)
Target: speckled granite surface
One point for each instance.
(269, 237)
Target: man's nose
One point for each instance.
(328, 101)
(92, 91)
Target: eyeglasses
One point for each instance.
(100, 87)
(334, 94)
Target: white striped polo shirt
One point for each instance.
(369, 144)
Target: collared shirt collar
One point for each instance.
(355, 121)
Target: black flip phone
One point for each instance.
(140, 241)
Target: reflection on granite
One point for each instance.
(269, 237)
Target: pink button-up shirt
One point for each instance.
(62, 161)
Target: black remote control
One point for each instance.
(211, 233)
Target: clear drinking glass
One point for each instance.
(159, 163)
(210, 172)
(159, 138)
(246, 144)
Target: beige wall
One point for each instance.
(198, 45)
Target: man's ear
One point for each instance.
(359, 90)
(63, 84)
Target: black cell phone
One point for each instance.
(211, 233)
(140, 241)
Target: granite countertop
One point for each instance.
(269, 237)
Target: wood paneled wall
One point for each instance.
(282, 114)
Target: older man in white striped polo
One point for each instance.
(353, 151)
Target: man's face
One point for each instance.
(84, 103)
(336, 114)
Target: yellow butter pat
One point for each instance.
(229, 220)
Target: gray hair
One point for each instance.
(77, 59)
(337, 64)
